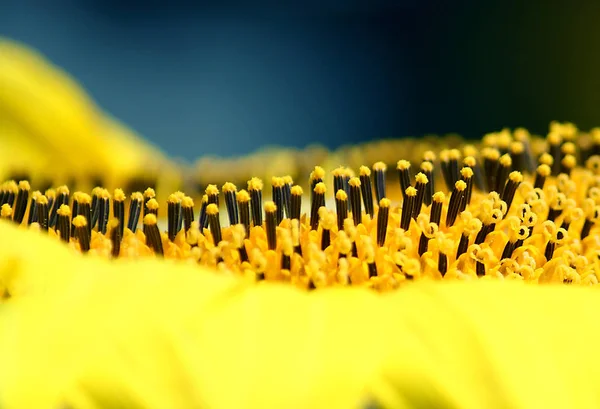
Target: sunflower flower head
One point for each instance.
(141, 284)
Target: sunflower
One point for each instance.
(415, 288)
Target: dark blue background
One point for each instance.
(227, 77)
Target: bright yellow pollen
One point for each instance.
(213, 209)
(64, 210)
(80, 221)
(149, 193)
(119, 195)
(341, 195)
(6, 210)
(243, 196)
(556, 224)
(149, 219)
(152, 204)
(255, 184)
(24, 185)
(355, 182)
(187, 202)
(229, 187)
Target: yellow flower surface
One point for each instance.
(156, 334)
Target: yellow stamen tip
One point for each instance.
(546, 159)
(12, 186)
(150, 219)
(554, 138)
(470, 161)
(429, 156)
(454, 154)
(379, 166)
(421, 178)
(212, 190)
(385, 202)
(255, 184)
(149, 193)
(243, 196)
(152, 204)
(403, 164)
(84, 198)
(50, 193)
(506, 160)
(427, 166)
(341, 195)
(569, 148)
(317, 173)
(277, 181)
(491, 153)
(517, 147)
(544, 170)
(173, 198)
(229, 187)
(466, 173)
(460, 185)
(516, 176)
(297, 190)
(364, 171)
(43, 200)
(569, 161)
(6, 211)
(24, 185)
(212, 209)
(64, 210)
(320, 188)
(80, 221)
(119, 195)
(270, 207)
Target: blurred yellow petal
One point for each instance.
(155, 334)
(60, 126)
